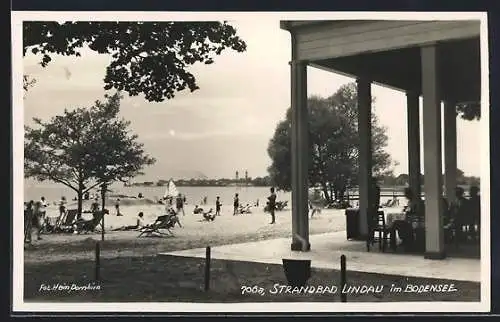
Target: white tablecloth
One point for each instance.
(392, 214)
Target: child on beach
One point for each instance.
(217, 206)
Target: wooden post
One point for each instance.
(207, 269)
(343, 281)
(102, 227)
(97, 261)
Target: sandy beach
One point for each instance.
(195, 232)
(132, 272)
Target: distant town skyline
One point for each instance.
(226, 125)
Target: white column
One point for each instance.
(450, 149)
(365, 151)
(434, 235)
(300, 157)
(413, 119)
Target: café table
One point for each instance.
(392, 215)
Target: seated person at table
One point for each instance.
(414, 213)
(138, 225)
(394, 202)
(475, 205)
(375, 192)
(459, 212)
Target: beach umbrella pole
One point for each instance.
(102, 230)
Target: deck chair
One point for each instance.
(165, 222)
(66, 221)
(209, 216)
(49, 225)
(89, 226)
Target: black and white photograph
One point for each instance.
(250, 162)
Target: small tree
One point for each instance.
(69, 148)
(118, 156)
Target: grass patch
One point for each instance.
(180, 279)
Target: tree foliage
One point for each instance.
(333, 144)
(146, 57)
(84, 148)
(28, 82)
(469, 110)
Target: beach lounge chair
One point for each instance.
(165, 222)
(49, 225)
(280, 205)
(247, 209)
(209, 216)
(89, 226)
(66, 221)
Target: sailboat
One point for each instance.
(171, 191)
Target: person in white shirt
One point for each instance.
(62, 206)
(43, 207)
(139, 224)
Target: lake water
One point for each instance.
(194, 195)
(54, 192)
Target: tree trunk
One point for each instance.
(103, 196)
(103, 201)
(79, 195)
(80, 204)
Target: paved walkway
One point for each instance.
(326, 250)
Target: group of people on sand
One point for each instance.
(35, 212)
(271, 205)
(34, 216)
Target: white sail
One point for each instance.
(171, 190)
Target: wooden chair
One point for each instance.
(378, 231)
(417, 222)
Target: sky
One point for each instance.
(226, 125)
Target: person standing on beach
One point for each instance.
(179, 204)
(236, 204)
(28, 221)
(62, 206)
(43, 207)
(272, 205)
(217, 206)
(117, 207)
(94, 207)
(37, 219)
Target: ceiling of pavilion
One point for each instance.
(459, 71)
